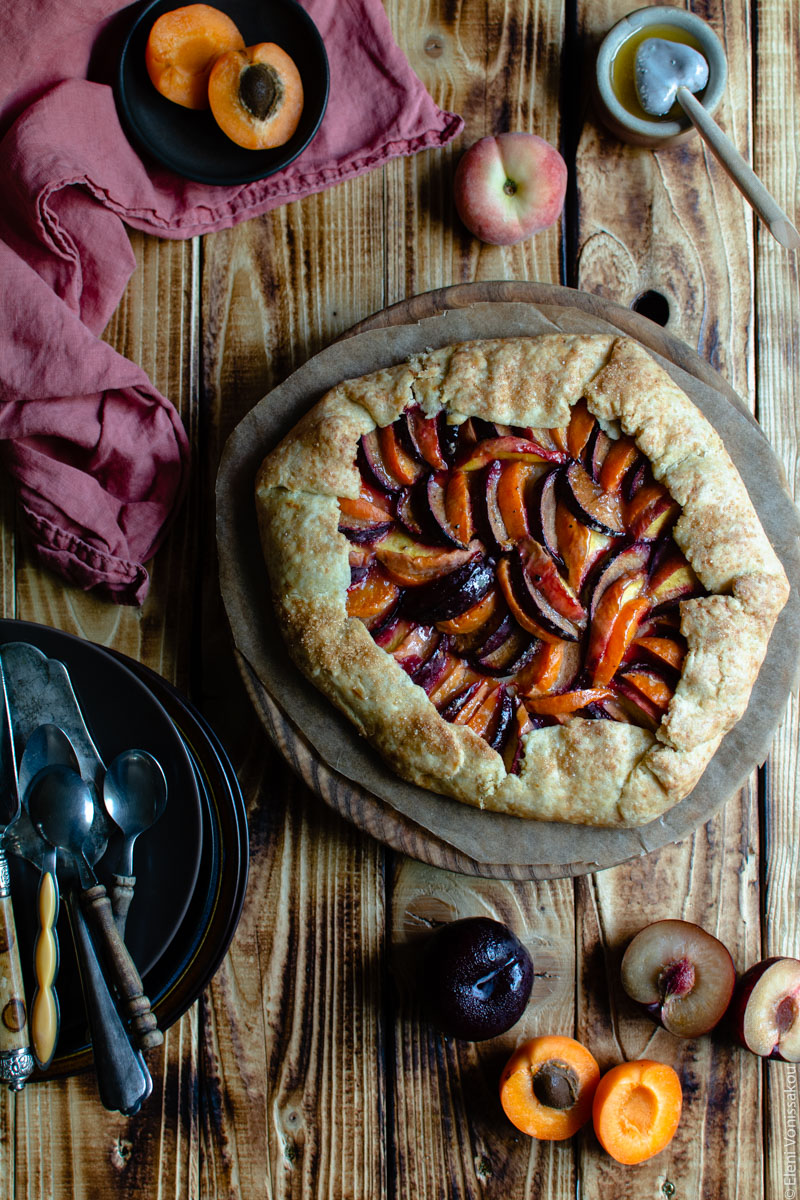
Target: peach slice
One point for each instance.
(458, 507)
(581, 427)
(651, 511)
(565, 702)
(513, 751)
(620, 458)
(423, 433)
(416, 647)
(544, 575)
(682, 975)
(508, 447)
(663, 651)
(411, 562)
(401, 466)
(475, 617)
(512, 498)
(614, 624)
(673, 579)
(766, 1009)
(372, 598)
(580, 548)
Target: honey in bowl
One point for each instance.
(623, 79)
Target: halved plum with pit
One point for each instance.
(682, 976)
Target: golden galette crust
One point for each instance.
(600, 773)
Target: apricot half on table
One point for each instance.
(547, 1087)
(256, 96)
(182, 48)
(636, 1110)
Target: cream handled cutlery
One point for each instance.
(16, 1061)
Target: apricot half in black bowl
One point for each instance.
(476, 978)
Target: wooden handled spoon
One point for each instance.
(668, 71)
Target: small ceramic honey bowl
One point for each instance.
(615, 85)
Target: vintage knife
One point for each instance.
(16, 1060)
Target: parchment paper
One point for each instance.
(487, 837)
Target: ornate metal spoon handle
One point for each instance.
(16, 1060)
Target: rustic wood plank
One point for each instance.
(776, 130)
(498, 66)
(447, 1119)
(671, 222)
(293, 1091)
(711, 880)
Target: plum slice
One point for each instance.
(629, 560)
(599, 510)
(423, 433)
(513, 653)
(449, 595)
(371, 464)
(532, 603)
(433, 503)
(544, 525)
(766, 1009)
(682, 975)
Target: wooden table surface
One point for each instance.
(306, 1068)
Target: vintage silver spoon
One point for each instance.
(135, 796)
(62, 808)
(123, 1079)
(667, 71)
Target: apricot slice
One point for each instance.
(182, 48)
(256, 96)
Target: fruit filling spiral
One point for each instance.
(522, 577)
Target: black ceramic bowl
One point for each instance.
(190, 142)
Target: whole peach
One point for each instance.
(509, 187)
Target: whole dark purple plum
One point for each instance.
(476, 978)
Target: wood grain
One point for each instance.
(641, 230)
(308, 1067)
(776, 90)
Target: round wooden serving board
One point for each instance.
(550, 851)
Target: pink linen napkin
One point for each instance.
(99, 457)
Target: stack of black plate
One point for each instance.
(191, 866)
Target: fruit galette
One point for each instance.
(527, 570)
